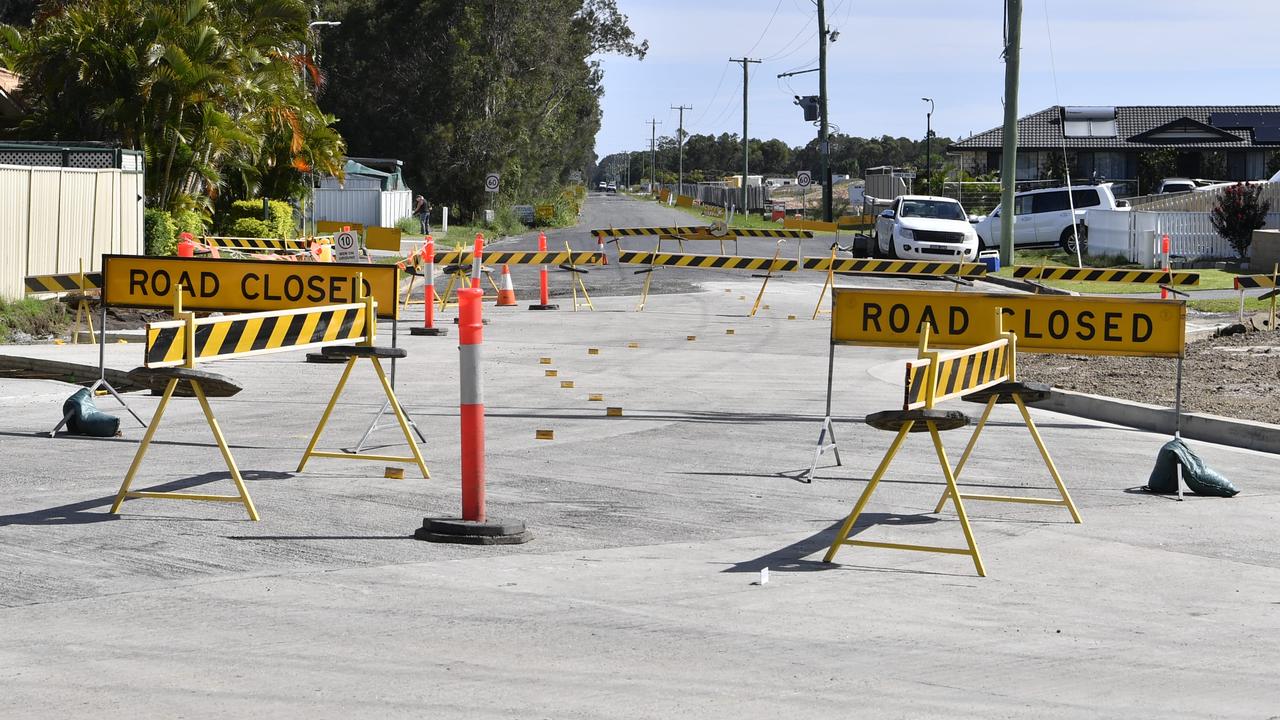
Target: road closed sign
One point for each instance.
(1043, 323)
(243, 285)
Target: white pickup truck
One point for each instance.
(1045, 218)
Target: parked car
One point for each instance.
(612, 187)
(1178, 185)
(1044, 217)
(923, 227)
(602, 186)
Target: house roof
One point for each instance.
(1134, 125)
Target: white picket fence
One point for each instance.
(1135, 235)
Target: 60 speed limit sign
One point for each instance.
(491, 182)
(804, 178)
(345, 246)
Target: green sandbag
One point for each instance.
(1202, 479)
(86, 419)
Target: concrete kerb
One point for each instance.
(1204, 427)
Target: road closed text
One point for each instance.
(1043, 323)
(243, 286)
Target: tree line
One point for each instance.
(711, 157)
(237, 99)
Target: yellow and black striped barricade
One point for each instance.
(1167, 279)
(251, 244)
(718, 232)
(457, 263)
(173, 349)
(1272, 281)
(77, 283)
(932, 378)
(655, 260)
(910, 268)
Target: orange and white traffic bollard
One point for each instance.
(474, 527)
(544, 294)
(429, 294)
(476, 256)
(604, 259)
(1164, 249)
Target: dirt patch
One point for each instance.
(1235, 376)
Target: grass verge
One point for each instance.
(1228, 305)
(38, 318)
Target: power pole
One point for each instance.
(653, 152)
(680, 142)
(824, 144)
(928, 148)
(746, 146)
(1009, 158)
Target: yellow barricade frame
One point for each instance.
(368, 310)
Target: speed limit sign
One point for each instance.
(346, 246)
(804, 178)
(491, 182)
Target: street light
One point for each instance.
(928, 145)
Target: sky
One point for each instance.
(891, 53)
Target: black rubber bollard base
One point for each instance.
(544, 307)
(468, 532)
(485, 321)
(419, 330)
(316, 357)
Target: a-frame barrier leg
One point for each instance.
(830, 283)
(328, 410)
(968, 449)
(955, 493)
(828, 429)
(842, 536)
(243, 496)
(1048, 461)
(311, 451)
(400, 418)
(1064, 496)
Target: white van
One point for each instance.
(1044, 217)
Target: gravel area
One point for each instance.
(1234, 376)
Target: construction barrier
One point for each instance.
(263, 244)
(795, 223)
(62, 284)
(1249, 282)
(333, 226)
(173, 348)
(707, 232)
(382, 238)
(936, 377)
(715, 262)
(895, 267)
(856, 222)
(1106, 275)
(462, 257)
(225, 285)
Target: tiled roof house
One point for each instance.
(1233, 141)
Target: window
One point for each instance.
(1085, 198)
(936, 209)
(1049, 202)
(1028, 166)
(1022, 205)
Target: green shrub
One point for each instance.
(410, 225)
(251, 227)
(1239, 211)
(189, 221)
(279, 223)
(159, 232)
(506, 222)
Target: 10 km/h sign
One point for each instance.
(243, 285)
(1043, 323)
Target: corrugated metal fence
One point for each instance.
(721, 196)
(53, 218)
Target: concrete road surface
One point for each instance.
(639, 596)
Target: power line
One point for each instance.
(766, 27)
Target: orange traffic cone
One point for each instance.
(507, 293)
